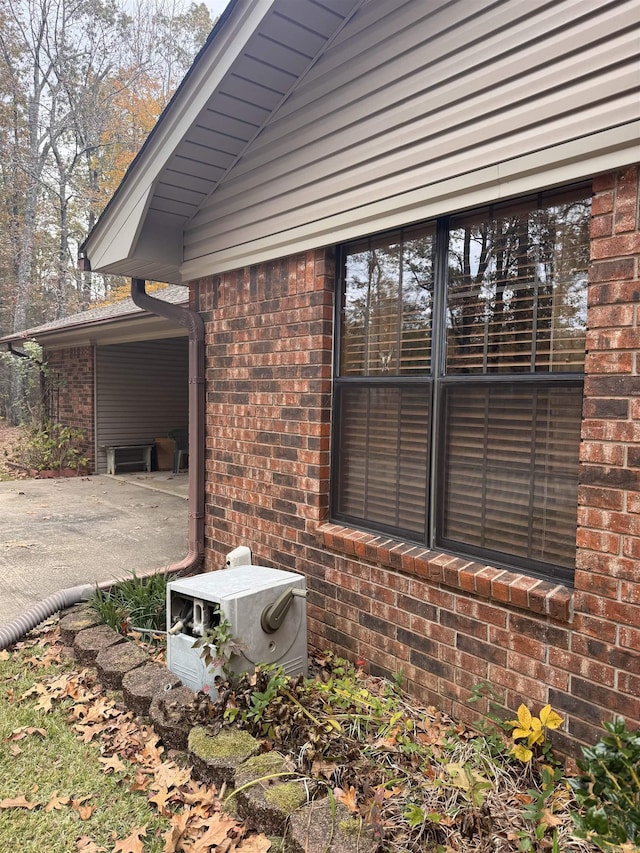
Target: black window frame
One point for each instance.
(438, 382)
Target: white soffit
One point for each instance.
(245, 73)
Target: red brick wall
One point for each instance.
(268, 406)
(70, 382)
(446, 623)
(607, 582)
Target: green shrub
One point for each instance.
(608, 788)
(51, 446)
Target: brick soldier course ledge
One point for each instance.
(521, 591)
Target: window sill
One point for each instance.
(500, 585)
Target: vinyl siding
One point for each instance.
(415, 102)
(141, 392)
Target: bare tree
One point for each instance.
(70, 72)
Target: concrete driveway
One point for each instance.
(59, 533)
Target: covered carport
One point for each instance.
(141, 393)
(117, 372)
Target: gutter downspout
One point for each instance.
(193, 322)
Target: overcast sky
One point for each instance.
(216, 7)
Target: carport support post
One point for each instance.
(192, 321)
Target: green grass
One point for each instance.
(59, 763)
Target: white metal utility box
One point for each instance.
(266, 610)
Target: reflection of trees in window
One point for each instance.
(517, 290)
(386, 323)
(501, 457)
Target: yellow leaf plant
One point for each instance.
(530, 730)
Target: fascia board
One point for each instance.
(118, 229)
(117, 336)
(137, 325)
(120, 235)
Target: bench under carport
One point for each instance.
(128, 455)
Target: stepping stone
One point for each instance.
(113, 662)
(215, 758)
(89, 642)
(170, 714)
(311, 827)
(76, 621)
(265, 799)
(140, 685)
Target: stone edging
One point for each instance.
(268, 795)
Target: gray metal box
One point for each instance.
(241, 595)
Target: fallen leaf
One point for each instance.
(89, 732)
(20, 802)
(60, 684)
(196, 792)
(44, 702)
(56, 802)
(133, 843)
(112, 763)
(151, 752)
(141, 782)
(4, 655)
(169, 775)
(88, 845)
(255, 844)
(160, 799)
(25, 731)
(347, 798)
(84, 811)
(173, 836)
(216, 833)
(324, 768)
(550, 819)
(525, 799)
(98, 711)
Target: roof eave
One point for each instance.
(111, 244)
(137, 326)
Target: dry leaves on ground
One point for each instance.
(130, 749)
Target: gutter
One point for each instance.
(20, 354)
(193, 322)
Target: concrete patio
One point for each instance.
(59, 533)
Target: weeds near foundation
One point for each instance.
(412, 776)
(51, 447)
(218, 645)
(608, 789)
